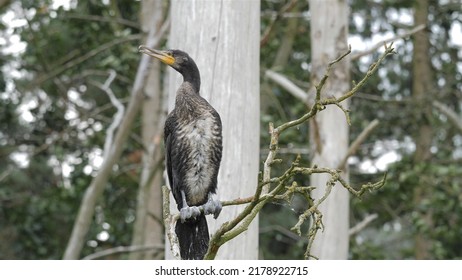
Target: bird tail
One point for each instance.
(193, 236)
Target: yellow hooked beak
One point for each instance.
(161, 55)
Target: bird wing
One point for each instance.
(168, 142)
(218, 149)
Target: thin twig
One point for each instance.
(266, 34)
(123, 249)
(121, 21)
(288, 85)
(270, 158)
(118, 116)
(372, 69)
(237, 201)
(59, 69)
(6, 173)
(301, 219)
(416, 29)
(282, 230)
(318, 105)
(361, 225)
(357, 142)
(449, 113)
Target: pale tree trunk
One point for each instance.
(223, 38)
(148, 229)
(422, 96)
(329, 130)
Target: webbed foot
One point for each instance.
(212, 207)
(189, 212)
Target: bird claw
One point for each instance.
(212, 207)
(189, 212)
(192, 212)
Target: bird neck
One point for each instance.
(192, 76)
(193, 82)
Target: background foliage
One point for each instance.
(53, 118)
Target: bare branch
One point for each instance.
(282, 230)
(318, 104)
(357, 142)
(449, 113)
(102, 19)
(290, 150)
(6, 173)
(361, 225)
(372, 69)
(270, 158)
(288, 85)
(302, 218)
(266, 34)
(59, 69)
(123, 249)
(237, 201)
(408, 33)
(118, 115)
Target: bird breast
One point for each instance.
(198, 138)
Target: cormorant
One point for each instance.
(193, 149)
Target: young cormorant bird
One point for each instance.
(193, 149)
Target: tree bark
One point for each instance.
(223, 38)
(148, 228)
(422, 97)
(329, 129)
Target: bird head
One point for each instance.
(178, 60)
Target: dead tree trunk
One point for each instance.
(329, 129)
(223, 38)
(422, 96)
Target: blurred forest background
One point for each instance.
(55, 112)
